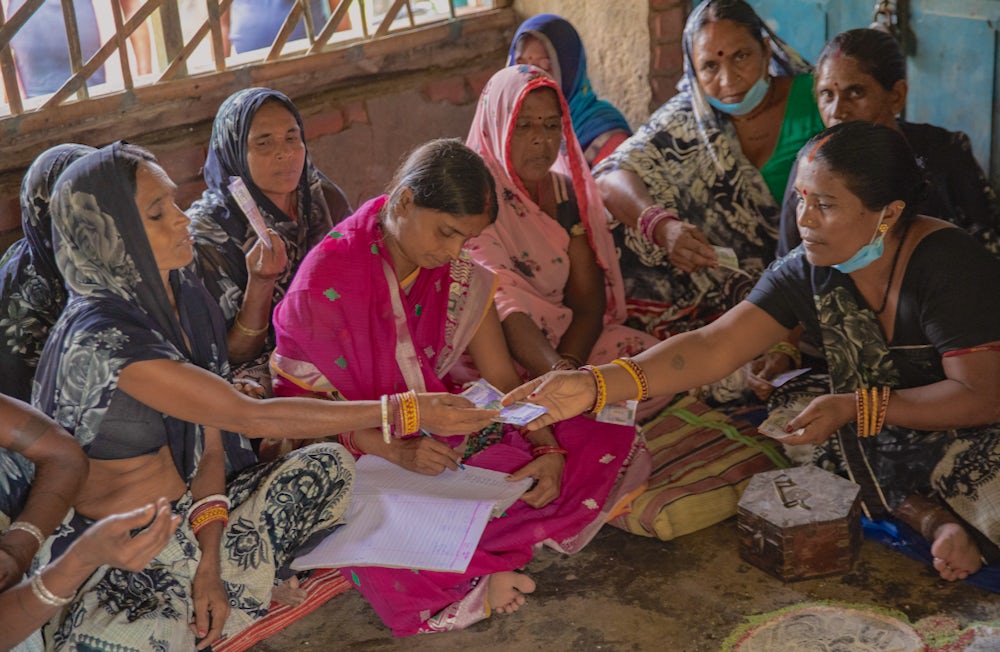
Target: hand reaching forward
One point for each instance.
(449, 414)
(687, 247)
(565, 394)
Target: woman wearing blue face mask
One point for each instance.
(907, 312)
(709, 168)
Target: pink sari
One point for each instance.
(348, 330)
(527, 248)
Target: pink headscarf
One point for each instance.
(522, 230)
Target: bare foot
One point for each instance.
(506, 591)
(289, 593)
(956, 555)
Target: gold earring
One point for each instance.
(883, 227)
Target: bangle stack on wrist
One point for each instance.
(872, 405)
(601, 397)
(650, 218)
(538, 451)
(346, 440)
(400, 415)
(638, 375)
(208, 510)
(406, 409)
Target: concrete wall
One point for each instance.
(616, 36)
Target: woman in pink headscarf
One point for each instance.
(560, 294)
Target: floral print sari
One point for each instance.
(31, 289)
(118, 314)
(222, 232)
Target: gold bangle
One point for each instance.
(638, 375)
(249, 332)
(873, 410)
(790, 350)
(410, 409)
(883, 407)
(861, 396)
(602, 388)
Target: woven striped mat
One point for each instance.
(703, 459)
(321, 585)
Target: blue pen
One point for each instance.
(427, 434)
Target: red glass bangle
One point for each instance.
(538, 451)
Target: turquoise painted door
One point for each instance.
(952, 69)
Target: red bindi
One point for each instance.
(804, 192)
(721, 53)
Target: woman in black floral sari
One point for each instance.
(135, 369)
(31, 289)
(258, 136)
(900, 301)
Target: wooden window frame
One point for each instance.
(176, 98)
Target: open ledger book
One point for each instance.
(403, 519)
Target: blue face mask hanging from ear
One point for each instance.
(749, 102)
(867, 254)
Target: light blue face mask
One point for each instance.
(867, 254)
(749, 102)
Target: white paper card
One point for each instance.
(398, 518)
(246, 203)
(781, 379)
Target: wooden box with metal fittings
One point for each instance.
(800, 523)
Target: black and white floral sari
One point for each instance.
(118, 314)
(688, 157)
(31, 289)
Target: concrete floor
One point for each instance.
(625, 592)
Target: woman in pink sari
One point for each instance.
(388, 302)
(560, 294)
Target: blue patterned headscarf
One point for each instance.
(31, 289)
(119, 312)
(591, 116)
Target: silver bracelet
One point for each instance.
(30, 528)
(43, 594)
